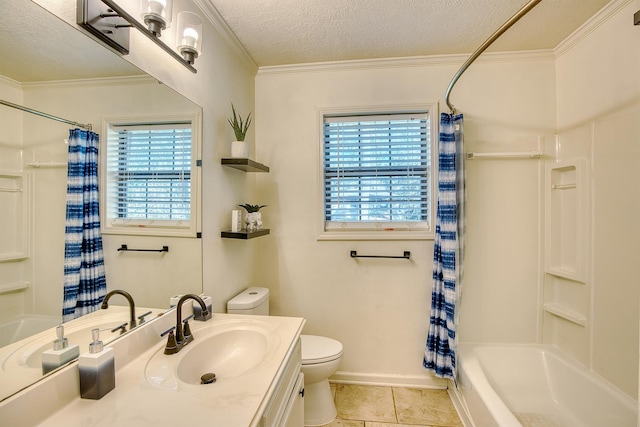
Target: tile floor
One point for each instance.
(376, 406)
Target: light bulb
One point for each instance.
(157, 6)
(189, 37)
(190, 29)
(156, 14)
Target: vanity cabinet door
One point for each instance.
(294, 411)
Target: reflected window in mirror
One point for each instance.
(151, 177)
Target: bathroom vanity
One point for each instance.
(256, 360)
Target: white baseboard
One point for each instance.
(458, 403)
(365, 378)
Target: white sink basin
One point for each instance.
(229, 349)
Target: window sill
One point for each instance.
(375, 235)
(149, 231)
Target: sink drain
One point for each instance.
(208, 378)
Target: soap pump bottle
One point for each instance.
(97, 369)
(61, 353)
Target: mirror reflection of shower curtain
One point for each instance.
(448, 250)
(84, 274)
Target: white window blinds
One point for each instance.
(149, 170)
(377, 171)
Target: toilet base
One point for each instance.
(319, 407)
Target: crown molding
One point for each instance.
(226, 32)
(404, 62)
(589, 26)
(102, 81)
(10, 82)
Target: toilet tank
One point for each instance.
(250, 301)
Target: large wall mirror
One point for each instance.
(52, 67)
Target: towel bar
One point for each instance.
(405, 255)
(127, 249)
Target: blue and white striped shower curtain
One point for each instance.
(84, 275)
(448, 251)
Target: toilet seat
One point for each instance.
(317, 349)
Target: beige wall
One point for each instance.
(598, 91)
(379, 308)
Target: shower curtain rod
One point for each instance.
(48, 116)
(523, 11)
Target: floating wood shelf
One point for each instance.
(246, 165)
(244, 235)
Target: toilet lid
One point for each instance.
(317, 349)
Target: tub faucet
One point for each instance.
(175, 343)
(132, 306)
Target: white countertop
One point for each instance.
(136, 402)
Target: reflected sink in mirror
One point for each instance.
(21, 362)
(230, 349)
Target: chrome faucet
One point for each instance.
(132, 306)
(183, 333)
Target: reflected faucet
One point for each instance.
(132, 306)
(175, 343)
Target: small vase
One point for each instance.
(240, 149)
(253, 221)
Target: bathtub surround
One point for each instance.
(448, 251)
(600, 126)
(85, 283)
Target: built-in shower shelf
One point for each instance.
(565, 273)
(565, 313)
(566, 219)
(13, 257)
(14, 287)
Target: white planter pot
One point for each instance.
(240, 149)
(253, 221)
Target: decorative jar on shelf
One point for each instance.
(253, 221)
(253, 218)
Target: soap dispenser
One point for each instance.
(97, 369)
(61, 353)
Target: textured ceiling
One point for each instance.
(278, 32)
(37, 46)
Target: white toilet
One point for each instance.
(321, 357)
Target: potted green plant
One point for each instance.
(253, 219)
(239, 147)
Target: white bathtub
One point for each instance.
(24, 326)
(537, 385)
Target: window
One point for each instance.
(377, 172)
(151, 178)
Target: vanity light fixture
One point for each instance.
(156, 14)
(189, 35)
(110, 23)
